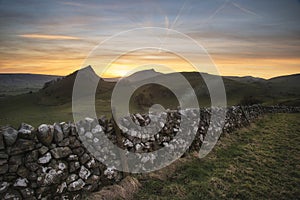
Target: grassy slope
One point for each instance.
(14, 84)
(54, 102)
(261, 162)
(23, 108)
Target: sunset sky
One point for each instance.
(260, 38)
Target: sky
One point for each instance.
(258, 38)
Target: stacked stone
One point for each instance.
(57, 161)
(47, 163)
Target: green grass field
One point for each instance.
(258, 162)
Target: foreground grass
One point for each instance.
(260, 162)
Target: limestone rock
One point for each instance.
(61, 152)
(26, 131)
(62, 166)
(93, 179)
(84, 173)
(72, 157)
(110, 172)
(91, 164)
(76, 185)
(32, 176)
(89, 135)
(31, 156)
(65, 128)
(14, 163)
(10, 135)
(32, 166)
(61, 188)
(58, 133)
(74, 166)
(21, 182)
(27, 193)
(64, 142)
(3, 187)
(45, 159)
(48, 177)
(71, 178)
(78, 151)
(22, 146)
(74, 143)
(84, 158)
(45, 134)
(12, 194)
(23, 172)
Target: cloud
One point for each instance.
(49, 37)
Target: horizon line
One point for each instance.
(118, 77)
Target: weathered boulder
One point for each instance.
(76, 185)
(74, 142)
(3, 187)
(23, 172)
(45, 159)
(21, 182)
(71, 178)
(43, 150)
(48, 176)
(78, 151)
(31, 156)
(84, 158)
(84, 173)
(12, 194)
(74, 166)
(64, 142)
(10, 135)
(93, 179)
(58, 133)
(60, 152)
(45, 134)
(21, 146)
(26, 131)
(15, 162)
(61, 188)
(66, 128)
(110, 173)
(27, 193)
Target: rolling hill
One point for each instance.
(54, 101)
(13, 84)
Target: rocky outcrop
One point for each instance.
(51, 162)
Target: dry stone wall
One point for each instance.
(51, 162)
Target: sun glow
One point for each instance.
(135, 61)
(117, 71)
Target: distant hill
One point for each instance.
(143, 75)
(246, 79)
(60, 92)
(54, 101)
(279, 90)
(13, 84)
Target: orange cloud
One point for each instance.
(49, 37)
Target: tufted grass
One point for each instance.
(258, 162)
